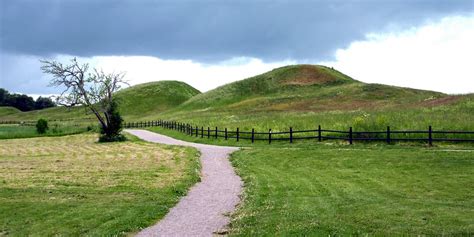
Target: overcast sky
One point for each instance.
(424, 44)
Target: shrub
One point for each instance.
(111, 133)
(41, 126)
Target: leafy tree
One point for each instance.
(3, 97)
(24, 102)
(44, 102)
(93, 90)
(41, 126)
(21, 102)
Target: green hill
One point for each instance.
(303, 96)
(134, 102)
(54, 113)
(153, 97)
(8, 110)
(304, 88)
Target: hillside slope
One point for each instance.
(6, 110)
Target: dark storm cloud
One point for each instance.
(204, 30)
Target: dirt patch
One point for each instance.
(440, 101)
(308, 75)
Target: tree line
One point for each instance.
(24, 102)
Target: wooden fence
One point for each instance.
(319, 134)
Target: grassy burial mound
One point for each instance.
(304, 88)
(134, 102)
(153, 98)
(74, 186)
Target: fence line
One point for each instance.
(389, 136)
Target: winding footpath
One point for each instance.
(204, 211)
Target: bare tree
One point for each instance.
(93, 90)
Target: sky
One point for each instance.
(424, 44)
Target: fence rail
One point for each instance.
(319, 134)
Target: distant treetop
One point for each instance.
(24, 102)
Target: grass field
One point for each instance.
(10, 131)
(72, 185)
(335, 190)
(304, 188)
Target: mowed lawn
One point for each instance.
(321, 191)
(74, 186)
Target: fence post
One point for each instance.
(291, 135)
(350, 135)
(202, 132)
(430, 136)
(388, 134)
(270, 136)
(319, 133)
(216, 133)
(237, 134)
(197, 131)
(253, 135)
(225, 133)
(208, 132)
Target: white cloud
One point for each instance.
(140, 69)
(435, 56)
(23, 74)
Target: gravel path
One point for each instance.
(203, 211)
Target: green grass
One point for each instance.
(6, 110)
(11, 131)
(78, 114)
(332, 190)
(73, 186)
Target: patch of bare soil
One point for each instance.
(439, 101)
(309, 75)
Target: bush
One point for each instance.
(111, 133)
(41, 126)
(116, 138)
